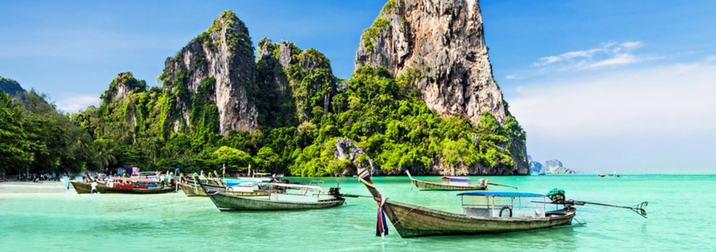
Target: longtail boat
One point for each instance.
(451, 184)
(124, 185)
(482, 212)
(193, 190)
(281, 197)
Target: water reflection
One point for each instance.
(551, 239)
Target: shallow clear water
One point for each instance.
(680, 218)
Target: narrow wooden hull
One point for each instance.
(193, 190)
(228, 202)
(431, 186)
(83, 188)
(197, 191)
(413, 221)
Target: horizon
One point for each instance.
(593, 84)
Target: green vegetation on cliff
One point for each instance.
(303, 109)
(388, 119)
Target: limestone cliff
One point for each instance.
(552, 166)
(443, 42)
(220, 60)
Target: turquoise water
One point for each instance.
(680, 218)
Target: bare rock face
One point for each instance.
(224, 53)
(442, 41)
(347, 150)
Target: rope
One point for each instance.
(401, 218)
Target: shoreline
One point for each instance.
(27, 187)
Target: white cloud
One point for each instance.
(666, 100)
(608, 54)
(511, 76)
(619, 59)
(75, 102)
(631, 45)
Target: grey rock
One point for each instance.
(444, 41)
(347, 150)
(221, 57)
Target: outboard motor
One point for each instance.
(335, 191)
(556, 195)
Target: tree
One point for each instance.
(14, 146)
(233, 158)
(105, 152)
(267, 160)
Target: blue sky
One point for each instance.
(623, 86)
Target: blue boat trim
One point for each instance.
(458, 179)
(501, 194)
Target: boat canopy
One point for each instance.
(459, 179)
(298, 186)
(235, 182)
(501, 194)
(134, 179)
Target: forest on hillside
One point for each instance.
(302, 110)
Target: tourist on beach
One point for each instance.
(94, 187)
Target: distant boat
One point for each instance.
(451, 184)
(604, 175)
(482, 212)
(290, 197)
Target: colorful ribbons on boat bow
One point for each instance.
(381, 227)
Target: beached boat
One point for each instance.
(124, 185)
(192, 190)
(451, 184)
(482, 212)
(281, 197)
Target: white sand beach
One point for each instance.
(14, 187)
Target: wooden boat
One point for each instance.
(193, 190)
(124, 185)
(482, 212)
(448, 184)
(289, 197)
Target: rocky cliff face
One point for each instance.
(345, 149)
(10, 86)
(535, 167)
(223, 54)
(443, 42)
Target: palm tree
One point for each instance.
(105, 153)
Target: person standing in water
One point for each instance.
(94, 187)
(67, 182)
